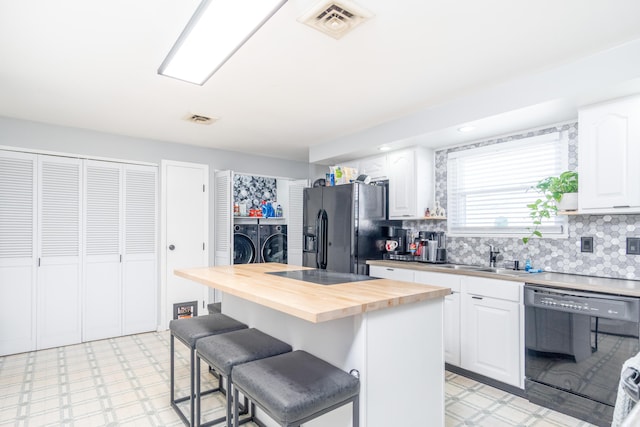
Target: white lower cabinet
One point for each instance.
(491, 329)
(483, 321)
(451, 311)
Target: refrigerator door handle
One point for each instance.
(318, 238)
(321, 255)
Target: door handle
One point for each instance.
(171, 247)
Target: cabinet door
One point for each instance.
(103, 235)
(402, 185)
(609, 151)
(452, 329)
(58, 284)
(17, 252)
(490, 338)
(139, 280)
(451, 311)
(375, 167)
(401, 274)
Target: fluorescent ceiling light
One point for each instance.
(214, 33)
(466, 128)
(384, 148)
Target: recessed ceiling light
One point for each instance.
(466, 128)
(384, 148)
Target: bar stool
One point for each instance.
(189, 331)
(295, 387)
(226, 351)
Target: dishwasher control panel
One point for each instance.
(598, 305)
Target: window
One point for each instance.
(489, 188)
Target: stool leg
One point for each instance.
(356, 411)
(191, 403)
(235, 406)
(198, 398)
(172, 368)
(230, 421)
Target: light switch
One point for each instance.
(586, 244)
(633, 245)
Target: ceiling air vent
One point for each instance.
(201, 120)
(335, 18)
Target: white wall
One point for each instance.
(46, 137)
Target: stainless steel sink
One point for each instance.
(478, 268)
(460, 266)
(498, 270)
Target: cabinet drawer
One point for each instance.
(439, 279)
(500, 289)
(401, 274)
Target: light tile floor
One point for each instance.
(125, 382)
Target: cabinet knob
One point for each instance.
(171, 247)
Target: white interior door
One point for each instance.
(58, 283)
(17, 252)
(186, 231)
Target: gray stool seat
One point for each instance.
(189, 331)
(296, 387)
(226, 351)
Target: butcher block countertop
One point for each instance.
(309, 301)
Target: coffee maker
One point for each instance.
(398, 235)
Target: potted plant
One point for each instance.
(558, 193)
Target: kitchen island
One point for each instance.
(389, 331)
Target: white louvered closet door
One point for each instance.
(295, 222)
(102, 308)
(140, 278)
(58, 283)
(17, 252)
(222, 218)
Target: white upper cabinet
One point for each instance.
(375, 167)
(609, 147)
(410, 182)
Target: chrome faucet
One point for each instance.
(493, 255)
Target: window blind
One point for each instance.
(489, 188)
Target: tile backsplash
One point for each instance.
(609, 232)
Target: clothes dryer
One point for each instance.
(245, 243)
(273, 243)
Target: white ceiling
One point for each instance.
(412, 74)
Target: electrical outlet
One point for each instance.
(586, 244)
(633, 245)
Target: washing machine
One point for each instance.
(273, 243)
(245, 243)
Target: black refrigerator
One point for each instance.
(342, 226)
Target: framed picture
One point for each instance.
(184, 310)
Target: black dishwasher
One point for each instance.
(575, 345)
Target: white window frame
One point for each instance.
(562, 137)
